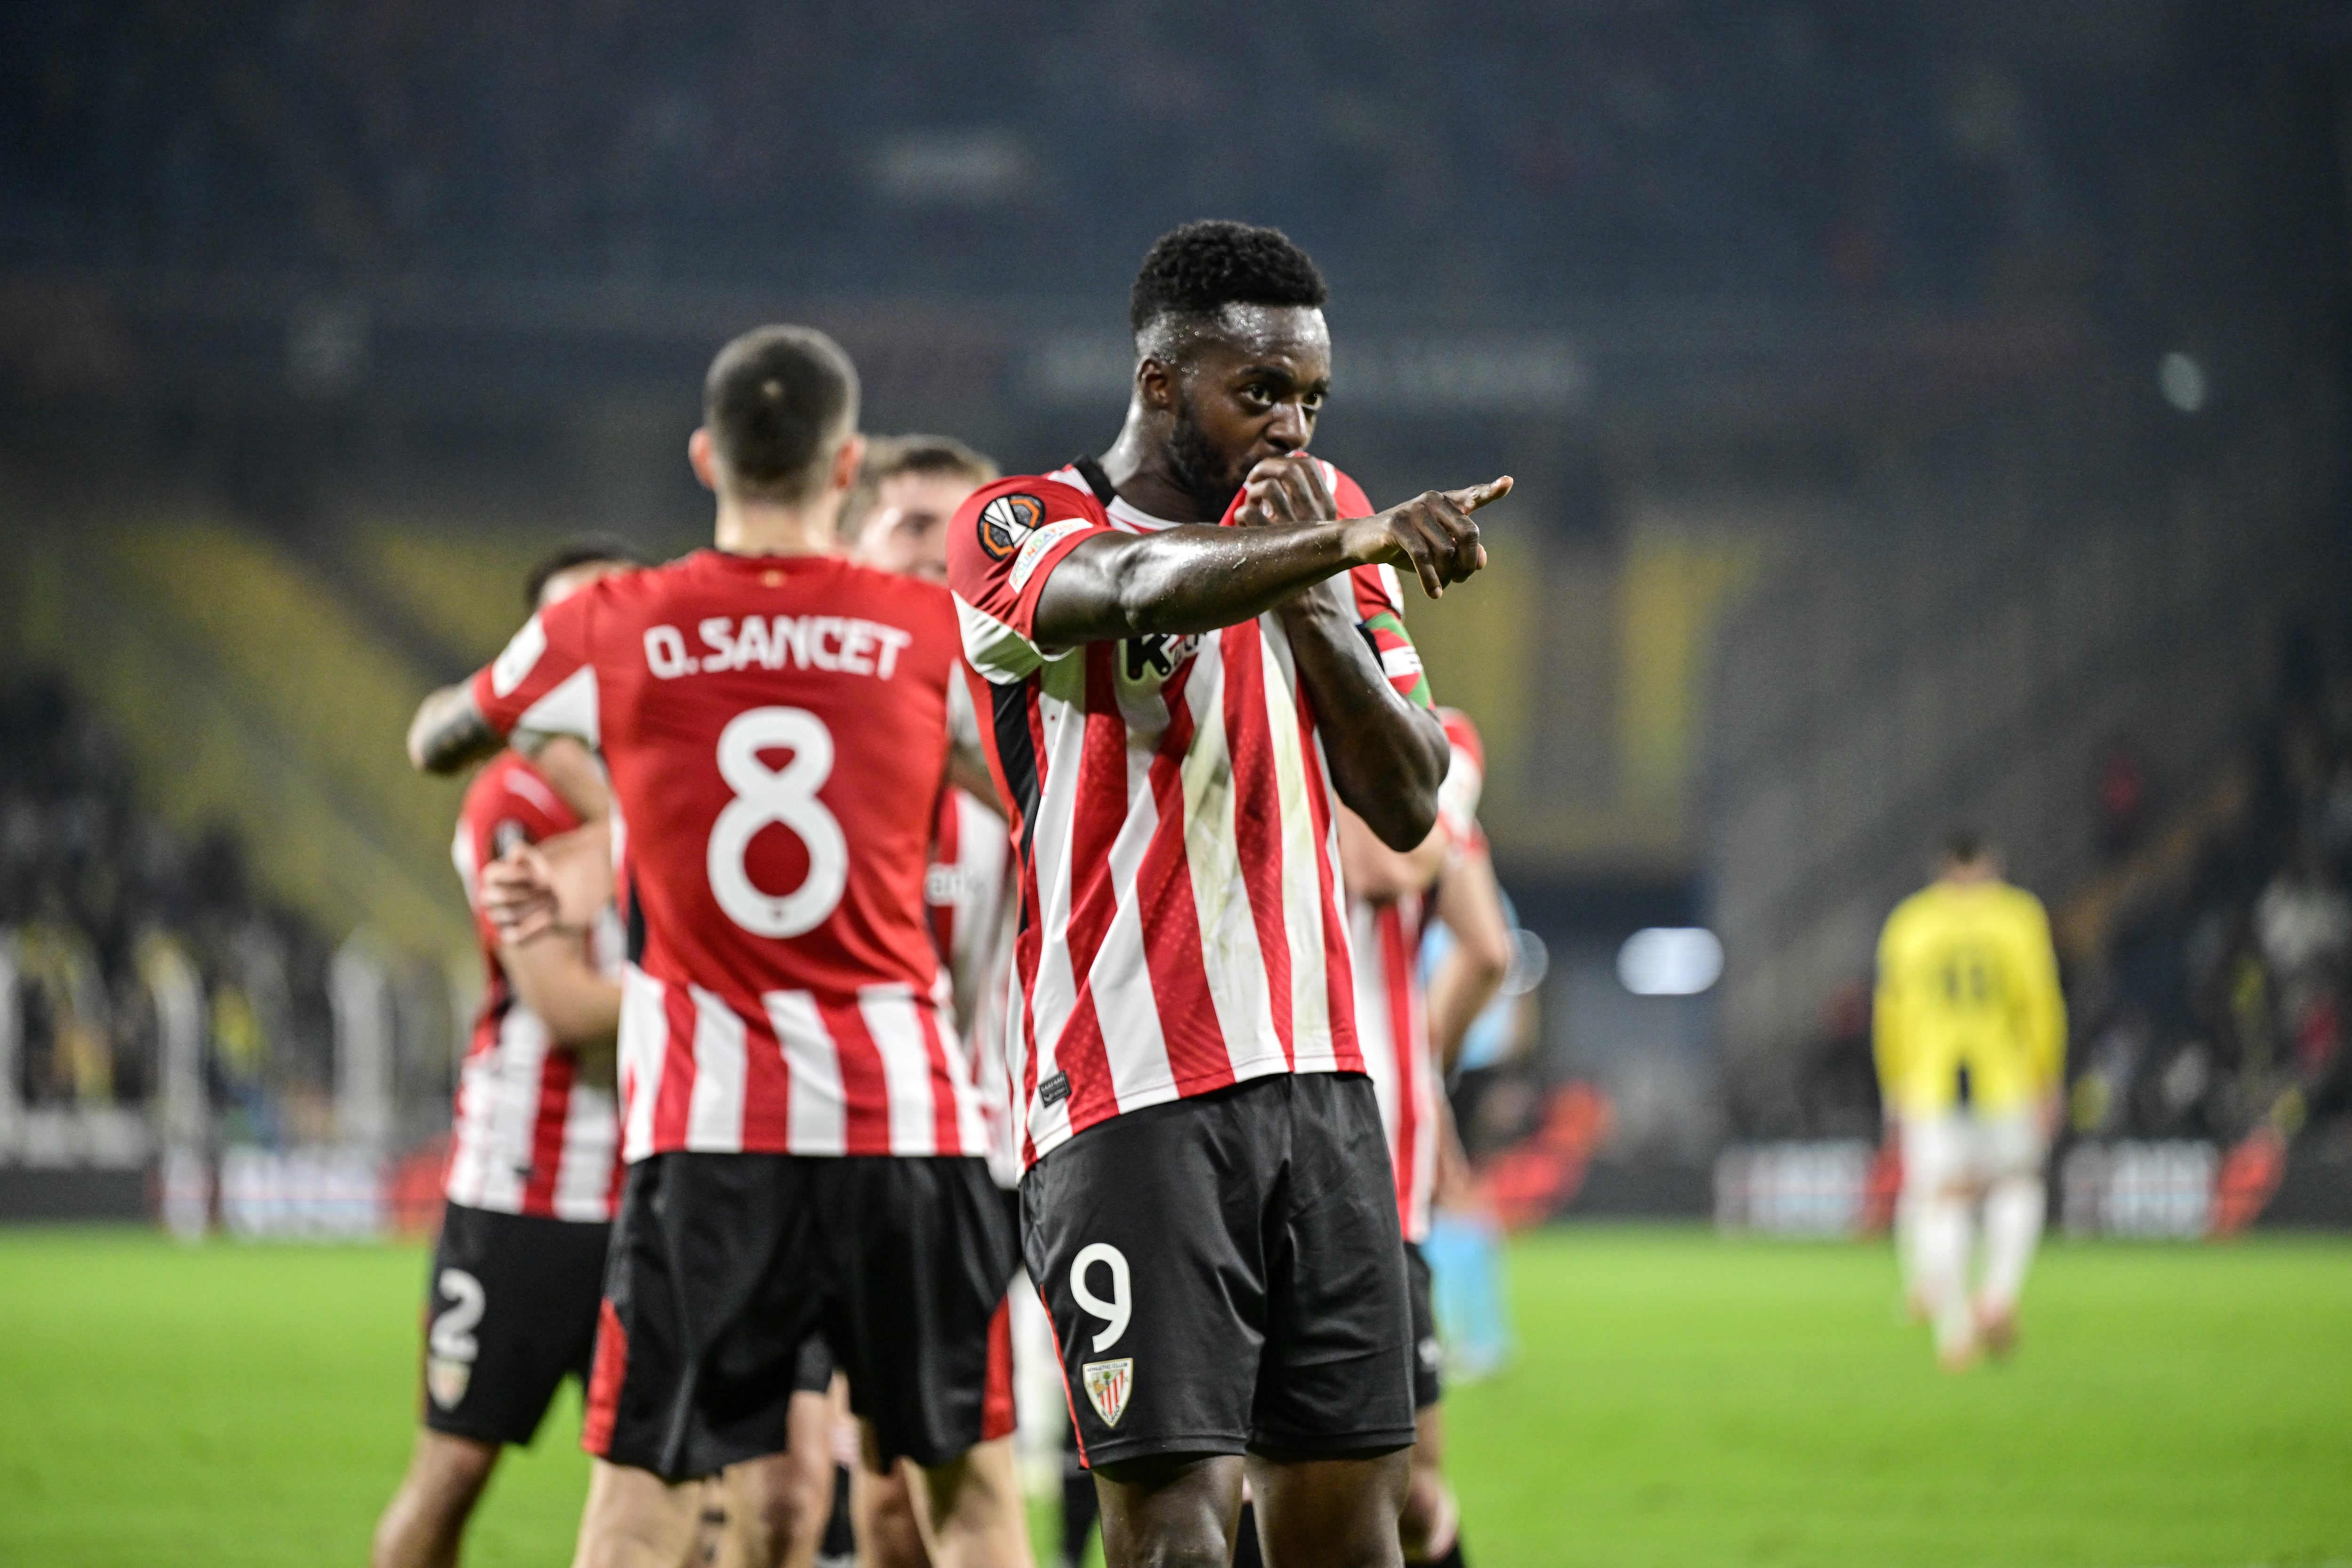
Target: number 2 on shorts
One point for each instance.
(1121, 1305)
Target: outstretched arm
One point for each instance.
(449, 733)
(1201, 578)
(1387, 756)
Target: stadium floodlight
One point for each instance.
(1670, 961)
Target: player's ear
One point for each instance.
(701, 460)
(1155, 383)
(848, 460)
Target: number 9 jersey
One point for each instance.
(776, 731)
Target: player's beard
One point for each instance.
(1207, 475)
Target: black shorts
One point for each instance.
(1428, 1353)
(509, 1311)
(1224, 1274)
(723, 1268)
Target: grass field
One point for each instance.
(1678, 1400)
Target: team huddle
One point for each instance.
(947, 878)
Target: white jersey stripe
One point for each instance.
(816, 1118)
(898, 1037)
(714, 1108)
(1302, 892)
(645, 1042)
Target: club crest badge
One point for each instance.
(446, 1380)
(1109, 1385)
(1005, 521)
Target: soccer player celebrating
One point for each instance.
(897, 520)
(1172, 709)
(535, 1161)
(1971, 1044)
(1390, 897)
(802, 1133)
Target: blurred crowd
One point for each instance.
(2214, 1006)
(1809, 149)
(2220, 1006)
(114, 927)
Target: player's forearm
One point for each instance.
(449, 733)
(1186, 580)
(1471, 905)
(1387, 756)
(580, 1007)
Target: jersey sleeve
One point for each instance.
(507, 804)
(2044, 1002)
(1886, 1008)
(545, 681)
(1379, 604)
(1005, 544)
(1465, 779)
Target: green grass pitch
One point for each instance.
(1677, 1400)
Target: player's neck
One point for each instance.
(1139, 468)
(763, 528)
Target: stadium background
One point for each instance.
(1921, 412)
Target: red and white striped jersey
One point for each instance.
(776, 731)
(970, 889)
(1182, 928)
(528, 1137)
(1390, 1015)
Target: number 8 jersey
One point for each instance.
(776, 731)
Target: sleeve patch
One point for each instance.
(1033, 548)
(1007, 521)
(517, 659)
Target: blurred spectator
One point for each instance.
(2120, 790)
(89, 887)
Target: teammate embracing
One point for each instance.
(1171, 711)
(803, 1134)
(535, 1159)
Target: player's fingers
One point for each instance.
(1321, 505)
(1476, 495)
(1414, 539)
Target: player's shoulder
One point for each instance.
(1346, 492)
(2020, 903)
(507, 785)
(1915, 909)
(998, 519)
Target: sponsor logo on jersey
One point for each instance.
(1005, 521)
(446, 1380)
(1054, 1090)
(1109, 1385)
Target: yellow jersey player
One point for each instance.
(1971, 1042)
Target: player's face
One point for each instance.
(906, 531)
(1250, 388)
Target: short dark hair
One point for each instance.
(1966, 845)
(1199, 268)
(582, 550)
(889, 456)
(777, 403)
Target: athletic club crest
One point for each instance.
(1109, 1385)
(1005, 521)
(446, 1380)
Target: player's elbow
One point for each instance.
(422, 754)
(1400, 818)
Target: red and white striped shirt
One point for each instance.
(970, 889)
(1181, 926)
(1391, 1019)
(528, 1137)
(776, 729)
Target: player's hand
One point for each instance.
(517, 893)
(1434, 531)
(1287, 489)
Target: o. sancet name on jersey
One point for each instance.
(777, 731)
